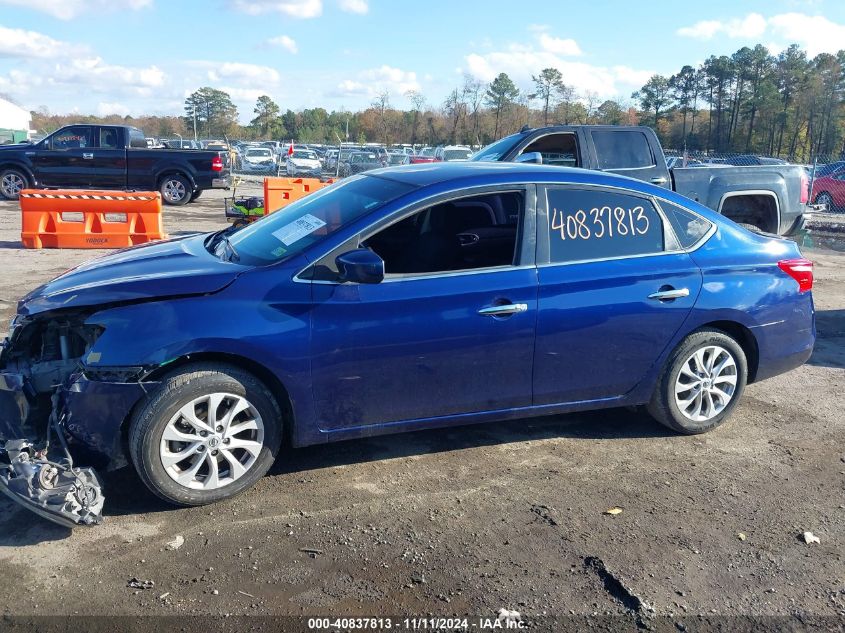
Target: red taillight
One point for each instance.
(801, 270)
(216, 164)
(805, 188)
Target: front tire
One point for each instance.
(701, 383)
(175, 190)
(12, 182)
(207, 433)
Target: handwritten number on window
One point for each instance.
(602, 221)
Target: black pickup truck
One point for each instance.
(110, 157)
(771, 197)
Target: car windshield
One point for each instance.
(456, 154)
(311, 219)
(300, 153)
(496, 150)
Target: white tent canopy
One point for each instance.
(13, 117)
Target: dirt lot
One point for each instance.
(472, 519)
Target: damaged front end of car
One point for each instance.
(37, 362)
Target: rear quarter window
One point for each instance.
(587, 224)
(622, 149)
(689, 228)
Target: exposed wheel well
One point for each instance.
(275, 386)
(17, 167)
(759, 209)
(746, 340)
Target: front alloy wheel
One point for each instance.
(826, 200)
(11, 184)
(207, 432)
(212, 441)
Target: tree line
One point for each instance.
(750, 102)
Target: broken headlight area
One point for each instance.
(36, 467)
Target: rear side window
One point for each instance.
(587, 224)
(622, 149)
(689, 227)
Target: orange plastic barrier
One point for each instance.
(280, 192)
(89, 219)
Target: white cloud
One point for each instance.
(293, 8)
(354, 6)
(286, 42)
(521, 61)
(92, 73)
(20, 43)
(751, 26)
(247, 75)
(373, 82)
(69, 9)
(105, 109)
(559, 46)
(816, 34)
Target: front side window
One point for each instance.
(76, 137)
(556, 149)
(464, 234)
(622, 149)
(311, 219)
(592, 224)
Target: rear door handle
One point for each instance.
(87, 156)
(660, 180)
(668, 295)
(504, 310)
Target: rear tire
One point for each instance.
(196, 195)
(750, 227)
(714, 368)
(240, 418)
(12, 182)
(175, 190)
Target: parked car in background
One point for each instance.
(330, 160)
(750, 159)
(829, 168)
(110, 157)
(829, 191)
(771, 198)
(175, 143)
(303, 162)
(358, 162)
(397, 158)
(492, 286)
(452, 153)
(259, 159)
(426, 155)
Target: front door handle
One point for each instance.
(504, 310)
(660, 180)
(670, 294)
(87, 156)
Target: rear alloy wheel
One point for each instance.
(175, 190)
(208, 432)
(12, 182)
(824, 198)
(701, 383)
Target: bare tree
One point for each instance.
(474, 91)
(381, 104)
(418, 103)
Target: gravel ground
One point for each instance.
(472, 519)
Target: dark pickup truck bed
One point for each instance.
(110, 157)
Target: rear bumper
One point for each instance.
(221, 183)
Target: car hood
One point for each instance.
(162, 269)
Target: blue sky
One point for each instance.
(145, 56)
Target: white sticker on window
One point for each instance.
(298, 229)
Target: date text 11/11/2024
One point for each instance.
(612, 221)
(506, 620)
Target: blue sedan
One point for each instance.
(407, 298)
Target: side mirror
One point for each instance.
(530, 157)
(361, 266)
